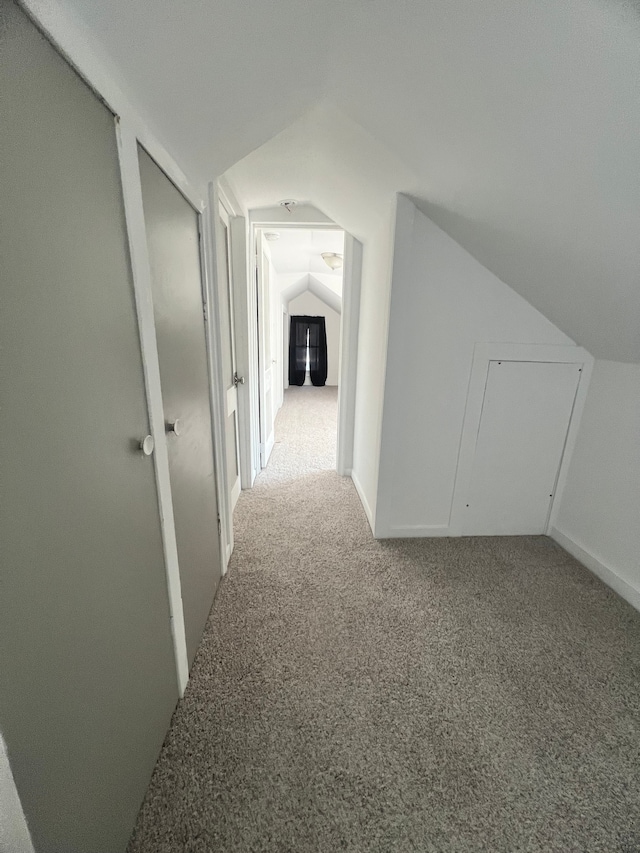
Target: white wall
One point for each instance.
(442, 302)
(327, 157)
(599, 516)
(308, 303)
(14, 834)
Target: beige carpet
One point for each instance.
(445, 696)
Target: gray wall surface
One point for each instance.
(174, 252)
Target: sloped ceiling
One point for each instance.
(310, 283)
(519, 123)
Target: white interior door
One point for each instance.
(265, 356)
(525, 418)
(229, 364)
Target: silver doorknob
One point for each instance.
(238, 380)
(147, 444)
(176, 427)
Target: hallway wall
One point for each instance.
(443, 302)
(598, 521)
(327, 157)
(308, 303)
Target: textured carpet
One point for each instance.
(443, 695)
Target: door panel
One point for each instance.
(229, 366)
(523, 427)
(174, 253)
(87, 670)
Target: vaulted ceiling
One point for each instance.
(517, 125)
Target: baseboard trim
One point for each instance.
(363, 499)
(412, 531)
(604, 572)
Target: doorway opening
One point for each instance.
(299, 313)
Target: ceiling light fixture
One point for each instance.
(332, 259)
(288, 204)
(271, 236)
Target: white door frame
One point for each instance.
(265, 360)
(141, 270)
(286, 331)
(482, 356)
(349, 327)
(225, 276)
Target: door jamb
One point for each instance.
(141, 272)
(211, 305)
(349, 328)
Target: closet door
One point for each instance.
(87, 670)
(523, 427)
(174, 253)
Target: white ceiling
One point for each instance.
(299, 250)
(515, 126)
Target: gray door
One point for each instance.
(87, 670)
(174, 251)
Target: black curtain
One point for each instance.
(317, 341)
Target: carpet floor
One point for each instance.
(434, 695)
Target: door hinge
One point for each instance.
(205, 311)
(219, 526)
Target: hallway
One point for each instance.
(445, 695)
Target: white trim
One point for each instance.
(286, 334)
(572, 437)
(235, 493)
(271, 440)
(141, 271)
(302, 216)
(216, 384)
(411, 531)
(363, 499)
(349, 327)
(483, 354)
(225, 277)
(227, 199)
(600, 569)
(244, 292)
(231, 401)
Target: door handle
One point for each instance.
(147, 444)
(238, 380)
(176, 427)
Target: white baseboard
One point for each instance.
(412, 531)
(363, 499)
(605, 573)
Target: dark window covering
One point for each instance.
(316, 328)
